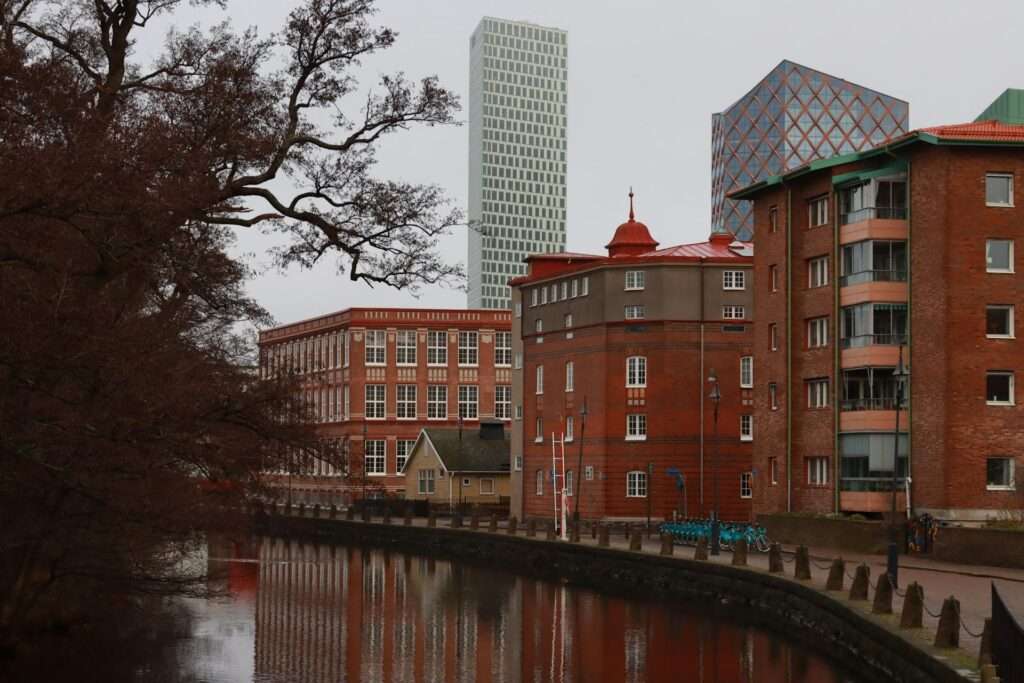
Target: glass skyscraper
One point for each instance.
(793, 116)
(517, 145)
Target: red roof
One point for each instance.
(632, 237)
(996, 131)
(714, 249)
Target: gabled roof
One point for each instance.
(468, 452)
(986, 131)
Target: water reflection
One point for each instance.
(304, 612)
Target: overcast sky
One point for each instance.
(644, 78)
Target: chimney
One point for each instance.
(492, 430)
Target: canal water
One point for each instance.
(298, 612)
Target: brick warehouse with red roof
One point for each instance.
(633, 336)
(912, 244)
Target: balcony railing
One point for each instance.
(873, 276)
(861, 340)
(869, 212)
(877, 403)
(869, 484)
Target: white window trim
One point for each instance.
(1012, 400)
(738, 276)
(437, 419)
(494, 489)
(636, 437)
(398, 347)
(747, 435)
(517, 463)
(468, 349)
(999, 205)
(367, 347)
(731, 310)
(376, 474)
(748, 476)
(445, 347)
(570, 377)
(637, 385)
(989, 269)
(749, 384)
(634, 308)
(1013, 475)
(1009, 307)
(812, 461)
(415, 402)
(639, 280)
(366, 401)
(638, 475)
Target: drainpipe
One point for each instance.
(700, 380)
(836, 355)
(789, 349)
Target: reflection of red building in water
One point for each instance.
(349, 614)
(374, 377)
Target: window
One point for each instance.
(634, 279)
(588, 473)
(534, 293)
(636, 371)
(567, 324)
(544, 294)
(817, 272)
(999, 322)
(817, 393)
(773, 277)
(374, 404)
(519, 309)
(554, 292)
(873, 261)
(437, 347)
(565, 290)
(773, 470)
(817, 211)
(375, 458)
(733, 279)
(469, 395)
(518, 360)
(636, 484)
(503, 402)
(999, 256)
(575, 288)
(375, 351)
(733, 313)
(487, 487)
(634, 312)
(570, 425)
(1000, 474)
(817, 333)
(538, 326)
(872, 324)
(999, 388)
(746, 372)
(817, 471)
(345, 349)
(746, 427)
(773, 219)
(539, 477)
(405, 347)
(406, 398)
(636, 427)
(570, 380)
(425, 482)
(569, 477)
(746, 485)
(469, 348)
(517, 463)
(585, 286)
(540, 380)
(773, 396)
(503, 349)
(773, 337)
(403, 447)
(998, 189)
(437, 402)
(519, 411)
(347, 403)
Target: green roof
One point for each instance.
(1008, 108)
(469, 452)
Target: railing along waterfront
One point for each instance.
(1007, 640)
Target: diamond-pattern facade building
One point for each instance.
(794, 115)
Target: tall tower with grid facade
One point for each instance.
(794, 115)
(517, 152)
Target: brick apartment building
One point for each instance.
(910, 243)
(375, 377)
(633, 337)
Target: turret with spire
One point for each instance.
(632, 237)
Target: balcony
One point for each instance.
(866, 276)
(870, 403)
(885, 213)
(883, 339)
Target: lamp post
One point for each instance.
(716, 397)
(901, 373)
(362, 496)
(579, 468)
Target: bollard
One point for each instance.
(802, 566)
(513, 525)
(431, 518)
(550, 531)
(474, 520)
(456, 521)
(775, 565)
(603, 536)
(302, 509)
(861, 582)
(913, 607)
(667, 546)
(493, 525)
(739, 553)
(989, 674)
(288, 509)
(531, 528)
(387, 515)
(947, 635)
(350, 513)
(985, 651)
(365, 514)
(407, 521)
(627, 531)
(635, 540)
(316, 511)
(593, 530)
(883, 595)
(701, 551)
(332, 511)
(835, 575)
(574, 532)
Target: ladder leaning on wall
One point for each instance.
(558, 483)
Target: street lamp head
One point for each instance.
(583, 410)
(716, 394)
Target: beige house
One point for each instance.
(451, 466)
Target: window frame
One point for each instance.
(472, 351)
(470, 401)
(437, 350)
(502, 350)
(817, 390)
(1012, 485)
(410, 443)
(570, 376)
(817, 325)
(773, 337)
(818, 272)
(400, 348)
(435, 401)
(817, 465)
(773, 219)
(773, 396)
(538, 426)
(746, 485)
(426, 482)
(748, 371)
(382, 457)
(490, 480)
(746, 427)
(382, 401)
(636, 484)
(538, 488)
(635, 280)
(1010, 322)
(1004, 271)
(570, 428)
(734, 280)
(814, 214)
(538, 379)
(634, 312)
(734, 312)
(1001, 373)
(503, 408)
(636, 377)
(1001, 175)
(636, 427)
(382, 347)
(401, 389)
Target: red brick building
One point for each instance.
(911, 243)
(633, 336)
(376, 376)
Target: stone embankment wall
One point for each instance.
(780, 604)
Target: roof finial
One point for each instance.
(630, 202)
